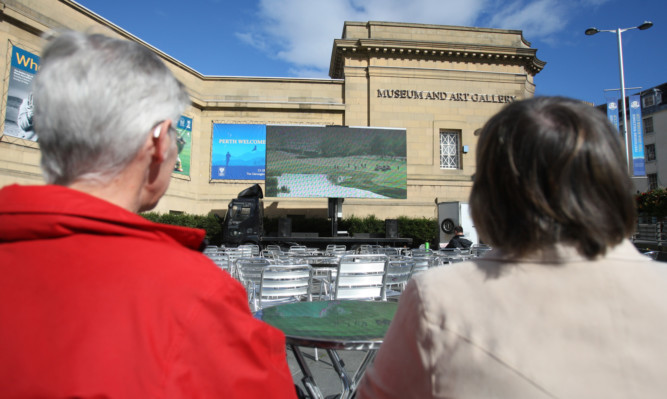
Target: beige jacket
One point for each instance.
(559, 328)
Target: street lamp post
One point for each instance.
(618, 31)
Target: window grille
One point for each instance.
(648, 125)
(650, 152)
(450, 150)
(652, 181)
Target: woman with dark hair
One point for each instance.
(564, 306)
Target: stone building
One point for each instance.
(654, 122)
(654, 125)
(439, 83)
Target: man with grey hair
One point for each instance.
(96, 301)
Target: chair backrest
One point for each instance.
(211, 249)
(249, 250)
(365, 249)
(390, 251)
(221, 259)
(314, 260)
(441, 259)
(360, 276)
(281, 282)
(451, 251)
(422, 263)
(273, 249)
(333, 249)
(479, 249)
(399, 271)
(466, 252)
(297, 249)
(249, 271)
(233, 254)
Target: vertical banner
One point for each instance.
(19, 110)
(238, 152)
(636, 133)
(612, 110)
(184, 144)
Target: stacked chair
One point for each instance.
(372, 272)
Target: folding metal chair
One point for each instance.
(360, 276)
(284, 284)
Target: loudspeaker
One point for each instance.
(391, 228)
(284, 227)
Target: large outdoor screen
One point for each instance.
(335, 162)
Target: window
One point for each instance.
(652, 181)
(654, 97)
(648, 125)
(648, 101)
(650, 152)
(450, 149)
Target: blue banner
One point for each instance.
(238, 152)
(184, 144)
(612, 111)
(636, 133)
(19, 110)
(24, 60)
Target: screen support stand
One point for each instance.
(335, 212)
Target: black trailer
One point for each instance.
(244, 221)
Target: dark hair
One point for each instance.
(551, 170)
(458, 229)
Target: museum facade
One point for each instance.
(438, 83)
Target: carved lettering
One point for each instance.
(443, 96)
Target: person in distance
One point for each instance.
(458, 241)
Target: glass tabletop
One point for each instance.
(332, 324)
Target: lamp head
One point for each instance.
(591, 31)
(645, 25)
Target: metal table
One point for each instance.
(332, 325)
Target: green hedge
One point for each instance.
(206, 222)
(419, 229)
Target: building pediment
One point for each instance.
(486, 51)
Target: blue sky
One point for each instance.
(294, 38)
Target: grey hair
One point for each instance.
(96, 98)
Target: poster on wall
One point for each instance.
(636, 132)
(19, 110)
(238, 152)
(184, 144)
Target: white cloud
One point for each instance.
(536, 18)
(540, 19)
(253, 40)
(301, 32)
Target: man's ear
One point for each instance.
(160, 140)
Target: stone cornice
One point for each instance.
(364, 48)
(372, 25)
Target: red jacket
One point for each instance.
(96, 301)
